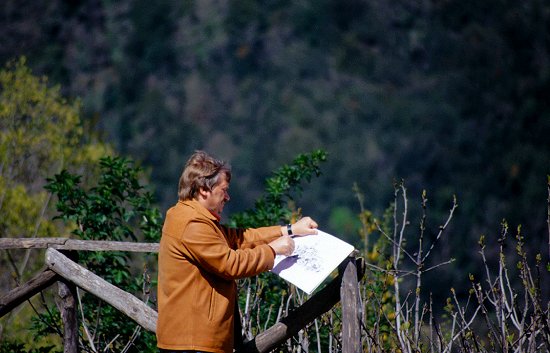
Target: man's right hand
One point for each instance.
(283, 245)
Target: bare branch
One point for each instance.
(442, 228)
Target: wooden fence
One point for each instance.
(69, 275)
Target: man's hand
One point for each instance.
(283, 245)
(304, 226)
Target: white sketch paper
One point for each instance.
(313, 259)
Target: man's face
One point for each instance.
(218, 196)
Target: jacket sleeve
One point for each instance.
(249, 238)
(206, 245)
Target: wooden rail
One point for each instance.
(91, 283)
(27, 290)
(351, 271)
(70, 275)
(75, 244)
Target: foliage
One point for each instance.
(118, 208)
(377, 285)
(396, 317)
(506, 311)
(514, 315)
(265, 298)
(432, 92)
(40, 133)
(106, 211)
(499, 313)
(273, 207)
(394, 310)
(11, 347)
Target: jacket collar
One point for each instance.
(194, 204)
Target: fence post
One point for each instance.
(67, 307)
(351, 308)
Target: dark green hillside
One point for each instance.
(451, 96)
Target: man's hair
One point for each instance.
(201, 171)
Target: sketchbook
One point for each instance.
(313, 260)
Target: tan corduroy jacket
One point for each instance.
(199, 260)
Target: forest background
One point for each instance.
(451, 96)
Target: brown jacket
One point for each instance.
(199, 260)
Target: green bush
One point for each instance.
(117, 208)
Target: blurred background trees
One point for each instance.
(40, 134)
(451, 96)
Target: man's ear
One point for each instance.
(203, 193)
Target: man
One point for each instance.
(200, 259)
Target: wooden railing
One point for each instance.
(69, 275)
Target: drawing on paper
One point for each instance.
(313, 260)
(309, 258)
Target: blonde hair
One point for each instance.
(201, 171)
